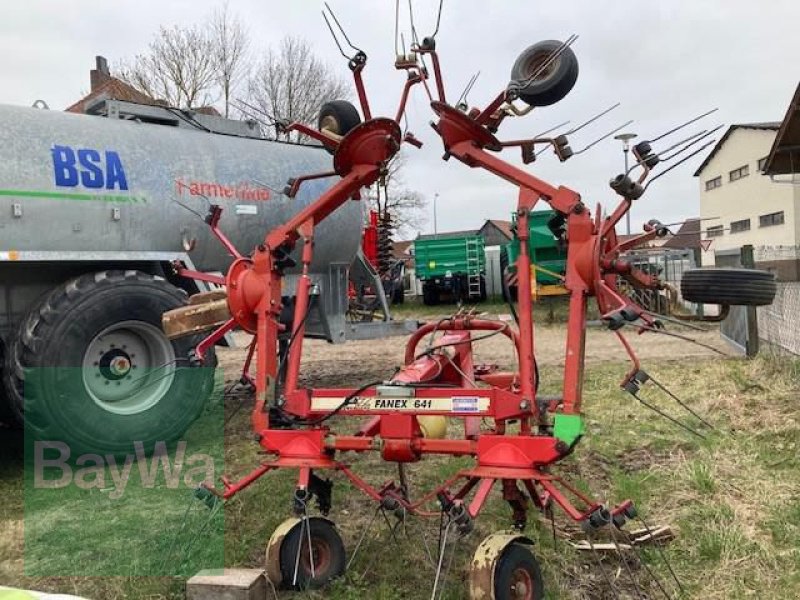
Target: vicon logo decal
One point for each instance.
(89, 168)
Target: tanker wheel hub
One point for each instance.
(128, 367)
(120, 366)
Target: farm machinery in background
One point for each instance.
(104, 210)
(377, 277)
(514, 435)
(451, 267)
(547, 248)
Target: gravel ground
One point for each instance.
(353, 362)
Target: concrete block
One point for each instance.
(227, 584)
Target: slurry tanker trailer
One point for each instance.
(96, 213)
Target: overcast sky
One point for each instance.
(665, 61)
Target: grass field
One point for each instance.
(733, 498)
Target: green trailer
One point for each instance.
(451, 266)
(548, 254)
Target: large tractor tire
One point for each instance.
(6, 416)
(744, 287)
(91, 367)
(430, 295)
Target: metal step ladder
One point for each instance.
(474, 251)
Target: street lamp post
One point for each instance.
(626, 138)
(435, 227)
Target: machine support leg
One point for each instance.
(301, 308)
(526, 359)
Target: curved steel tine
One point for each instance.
(689, 145)
(339, 25)
(438, 19)
(663, 159)
(414, 38)
(545, 133)
(683, 141)
(682, 404)
(679, 127)
(680, 162)
(663, 556)
(258, 110)
(692, 219)
(333, 34)
(584, 124)
(266, 186)
(468, 88)
(624, 560)
(396, 24)
(592, 120)
(600, 139)
(553, 128)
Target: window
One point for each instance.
(737, 174)
(762, 163)
(739, 226)
(771, 219)
(713, 184)
(715, 231)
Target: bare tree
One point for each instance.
(396, 204)
(291, 84)
(231, 45)
(179, 67)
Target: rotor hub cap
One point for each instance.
(521, 584)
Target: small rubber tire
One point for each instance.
(727, 286)
(330, 558)
(339, 117)
(554, 83)
(517, 566)
(44, 375)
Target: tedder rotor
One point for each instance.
(404, 415)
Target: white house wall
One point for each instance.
(749, 197)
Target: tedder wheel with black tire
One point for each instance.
(91, 367)
(327, 553)
(517, 575)
(727, 286)
(553, 83)
(338, 117)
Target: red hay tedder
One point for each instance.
(404, 416)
